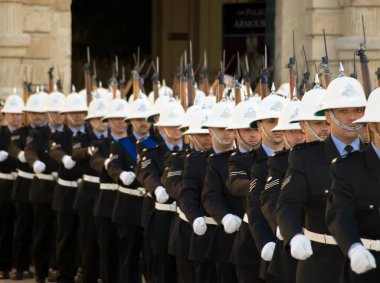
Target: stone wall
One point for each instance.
(34, 35)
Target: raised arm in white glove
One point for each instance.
(38, 166)
(231, 223)
(161, 194)
(361, 259)
(21, 156)
(3, 155)
(127, 177)
(199, 226)
(300, 247)
(68, 162)
(267, 251)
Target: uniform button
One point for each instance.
(326, 191)
(131, 166)
(371, 206)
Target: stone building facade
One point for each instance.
(36, 34)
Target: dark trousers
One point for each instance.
(44, 218)
(186, 270)
(164, 269)
(6, 235)
(90, 252)
(22, 235)
(130, 243)
(66, 248)
(205, 272)
(226, 273)
(106, 232)
(147, 260)
(247, 274)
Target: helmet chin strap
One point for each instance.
(268, 136)
(197, 144)
(313, 133)
(245, 143)
(218, 139)
(344, 126)
(286, 141)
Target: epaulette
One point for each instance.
(174, 153)
(195, 153)
(305, 145)
(281, 152)
(234, 153)
(345, 157)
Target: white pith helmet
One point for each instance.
(157, 107)
(284, 90)
(13, 104)
(171, 115)
(74, 102)
(36, 103)
(290, 111)
(220, 115)
(372, 111)
(140, 109)
(243, 115)
(117, 108)
(55, 101)
(188, 115)
(97, 108)
(196, 121)
(141, 95)
(269, 108)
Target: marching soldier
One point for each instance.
(106, 230)
(150, 173)
(87, 189)
(42, 187)
(352, 212)
(226, 209)
(181, 230)
(35, 108)
(306, 186)
(69, 174)
(266, 119)
(13, 113)
(277, 164)
(129, 198)
(244, 253)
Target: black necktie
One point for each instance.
(348, 148)
(102, 136)
(175, 148)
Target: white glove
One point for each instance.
(231, 223)
(267, 251)
(300, 247)
(68, 162)
(21, 156)
(161, 194)
(278, 234)
(361, 259)
(199, 226)
(106, 162)
(3, 155)
(38, 166)
(89, 151)
(127, 177)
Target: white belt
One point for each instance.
(65, 183)
(182, 215)
(108, 186)
(91, 179)
(373, 245)
(8, 176)
(166, 207)
(245, 218)
(210, 220)
(49, 177)
(139, 192)
(320, 238)
(24, 174)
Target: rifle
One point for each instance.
(203, 77)
(94, 77)
(190, 78)
(59, 81)
(87, 77)
(156, 79)
(306, 75)
(27, 90)
(143, 77)
(115, 75)
(355, 73)
(51, 79)
(264, 77)
(292, 65)
(219, 95)
(247, 82)
(377, 73)
(135, 75)
(236, 81)
(364, 64)
(123, 84)
(183, 85)
(325, 64)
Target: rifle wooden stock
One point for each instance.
(182, 93)
(247, 85)
(114, 90)
(128, 86)
(190, 92)
(156, 90)
(136, 86)
(367, 85)
(219, 97)
(327, 79)
(237, 95)
(263, 89)
(26, 94)
(87, 78)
